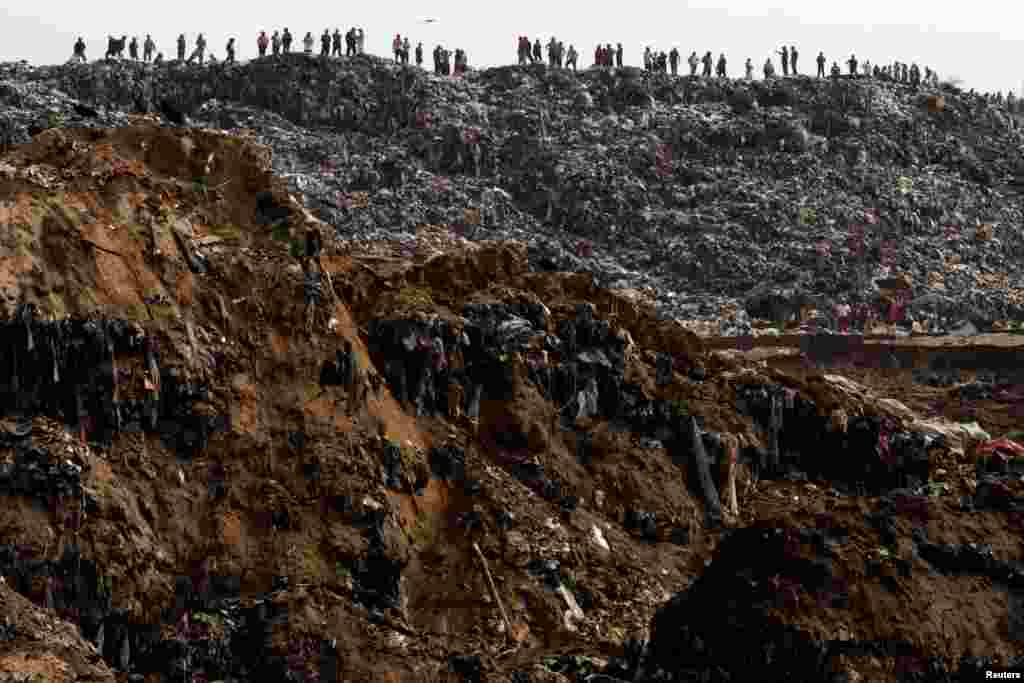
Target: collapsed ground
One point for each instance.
(260, 524)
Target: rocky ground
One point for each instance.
(239, 513)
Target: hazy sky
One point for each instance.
(981, 42)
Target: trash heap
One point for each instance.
(715, 194)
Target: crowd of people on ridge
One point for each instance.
(447, 63)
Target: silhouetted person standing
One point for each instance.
(793, 54)
(821, 65)
(785, 60)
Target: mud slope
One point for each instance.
(525, 481)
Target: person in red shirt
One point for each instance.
(261, 43)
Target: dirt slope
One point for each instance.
(319, 528)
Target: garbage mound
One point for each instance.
(779, 201)
(236, 446)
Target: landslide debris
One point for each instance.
(528, 476)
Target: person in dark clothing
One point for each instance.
(336, 43)
(821, 65)
(261, 43)
(230, 49)
(673, 60)
(275, 43)
(419, 54)
(350, 42)
(133, 48)
(784, 53)
(721, 65)
(325, 44)
(707, 64)
(79, 53)
(793, 54)
(181, 47)
(536, 51)
(852, 63)
(286, 41)
(618, 55)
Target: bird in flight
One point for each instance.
(429, 21)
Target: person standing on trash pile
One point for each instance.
(405, 50)
(199, 51)
(821, 65)
(230, 49)
(521, 50)
(793, 54)
(647, 58)
(835, 70)
(336, 42)
(181, 47)
(721, 65)
(673, 60)
(536, 50)
(769, 69)
(852, 63)
(707, 64)
(570, 58)
(286, 41)
(78, 53)
(361, 41)
(749, 68)
(904, 73)
(261, 43)
(785, 60)
(419, 54)
(692, 61)
(307, 43)
(551, 52)
(396, 47)
(325, 43)
(275, 43)
(133, 48)
(865, 68)
(915, 75)
(599, 56)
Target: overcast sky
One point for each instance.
(981, 42)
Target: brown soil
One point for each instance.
(96, 236)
